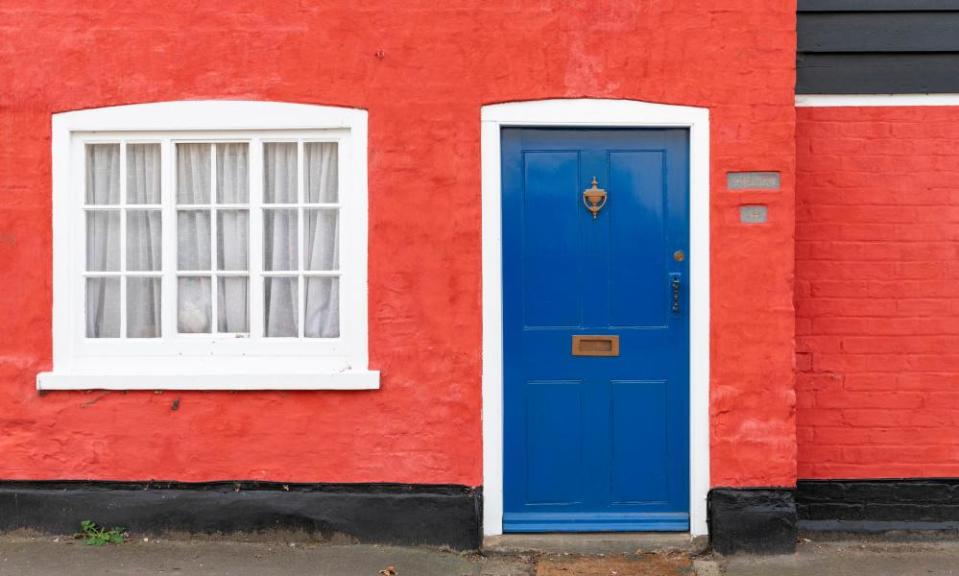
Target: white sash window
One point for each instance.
(210, 245)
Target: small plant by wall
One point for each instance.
(94, 535)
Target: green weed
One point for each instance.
(95, 535)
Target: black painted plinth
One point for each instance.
(371, 513)
(752, 520)
(871, 506)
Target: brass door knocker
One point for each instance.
(594, 199)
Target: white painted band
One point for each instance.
(873, 100)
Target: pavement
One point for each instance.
(36, 555)
(853, 558)
(47, 557)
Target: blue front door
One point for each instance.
(596, 330)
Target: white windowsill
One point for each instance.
(349, 380)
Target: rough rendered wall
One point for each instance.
(877, 292)
(438, 63)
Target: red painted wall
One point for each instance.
(877, 292)
(440, 62)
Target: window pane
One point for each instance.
(322, 308)
(103, 240)
(232, 239)
(320, 171)
(280, 240)
(194, 306)
(321, 238)
(103, 307)
(280, 307)
(232, 175)
(279, 173)
(232, 305)
(103, 174)
(193, 240)
(143, 173)
(143, 307)
(143, 240)
(193, 173)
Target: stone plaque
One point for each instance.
(752, 180)
(753, 214)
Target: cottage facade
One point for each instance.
(422, 273)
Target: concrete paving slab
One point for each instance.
(44, 556)
(706, 567)
(853, 558)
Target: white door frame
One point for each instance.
(585, 112)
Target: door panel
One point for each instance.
(637, 253)
(555, 439)
(548, 302)
(639, 470)
(595, 442)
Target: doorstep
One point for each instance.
(596, 543)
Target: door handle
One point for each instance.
(675, 285)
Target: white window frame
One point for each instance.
(208, 362)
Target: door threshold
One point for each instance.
(597, 543)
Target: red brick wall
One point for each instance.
(877, 292)
(440, 63)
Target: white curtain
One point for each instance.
(144, 239)
(196, 206)
(103, 240)
(281, 240)
(322, 305)
(232, 242)
(194, 177)
(194, 305)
